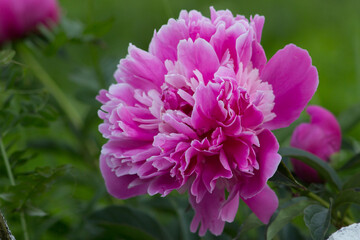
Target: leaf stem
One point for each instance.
(7, 163)
(12, 182)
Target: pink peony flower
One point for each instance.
(194, 114)
(19, 17)
(321, 137)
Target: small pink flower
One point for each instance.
(19, 17)
(321, 137)
(195, 113)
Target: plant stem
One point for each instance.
(312, 195)
(319, 199)
(52, 87)
(12, 182)
(24, 226)
(7, 163)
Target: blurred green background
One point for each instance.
(81, 64)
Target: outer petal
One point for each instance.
(263, 204)
(327, 121)
(294, 81)
(268, 160)
(119, 186)
(164, 43)
(141, 70)
(321, 137)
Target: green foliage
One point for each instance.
(317, 218)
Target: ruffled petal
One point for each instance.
(268, 159)
(294, 81)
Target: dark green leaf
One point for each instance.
(347, 196)
(349, 118)
(6, 56)
(33, 120)
(128, 220)
(317, 218)
(352, 162)
(322, 167)
(352, 182)
(284, 176)
(292, 209)
(251, 222)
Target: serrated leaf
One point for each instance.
(322, 167)
(317, 218)
(292, 209)
(116, 217)
(6, 56)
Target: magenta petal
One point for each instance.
(322, 137)
(263, 204)
(327, 121)
(119, 186)
(164, 43)
(243, 47)
(141, 70)
(207, 213)
(198, 55)
(294, 81)
(268, 160)
(229, 210)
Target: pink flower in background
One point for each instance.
(321, 137)
(19, 17)
(194, 114)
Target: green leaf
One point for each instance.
(349, 118)
(251, 222)
(6, 56)
(347, 196)
(284, 176)
(353, 162)
(352, 182)
(289, 211)
(322, 167)
(317, 218)
(33, 211)
(128, 221)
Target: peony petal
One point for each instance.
(164, 43)
(229, 210)
(327, 121)
(207, 213)
(198, 55)
(294, 81)
(268, 160)
(263, 204)
(118, 186)
(141, 70)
